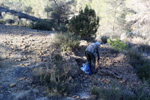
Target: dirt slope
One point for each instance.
(22, 50)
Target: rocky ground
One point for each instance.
(22, 50)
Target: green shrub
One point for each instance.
(95, 90)
(113, 92)
(66, 41)
(62, 28)
(116, 91)
(136, 58)
(141, 93)
(43, 25)
(141, 64)
(143, 71)
(118, 44)
(57, 82)
(85, 24)
(144, 48)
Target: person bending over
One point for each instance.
(92, 53)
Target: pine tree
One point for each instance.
(85, 24)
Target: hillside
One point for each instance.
(128, 17)
(26, 53)
(43, 43)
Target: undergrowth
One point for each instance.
(44, 25)
(66, 42)
(58, 78)
(116, 91)
(141, 64)
(118, 44)
(144, 48)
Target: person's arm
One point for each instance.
(98, 51)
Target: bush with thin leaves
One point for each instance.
(57, 77)
(67, 42)
(141, 64)
(113, 92)
(116, 91)
(44, 25)
(144, 48)
(118, 44)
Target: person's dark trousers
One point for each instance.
(91, 60)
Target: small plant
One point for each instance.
(95, 90)
(118, 44)
(66, 41)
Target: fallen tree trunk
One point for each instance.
(19, 14)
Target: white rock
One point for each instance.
(12, 85)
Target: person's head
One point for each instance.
(97, 44)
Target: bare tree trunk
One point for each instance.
(19, 14)
(115, 17)
(55, 2)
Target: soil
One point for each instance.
(24, 49)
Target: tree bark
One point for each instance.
(19, 14)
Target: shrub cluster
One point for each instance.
(144, 48)
(67, 42)
(43, 25)
(141, 64)
(119, 92)
(112, 93)
(58, 78)
(118, 44)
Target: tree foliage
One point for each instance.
(59, 10)
(85, 24)
(118, 44)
